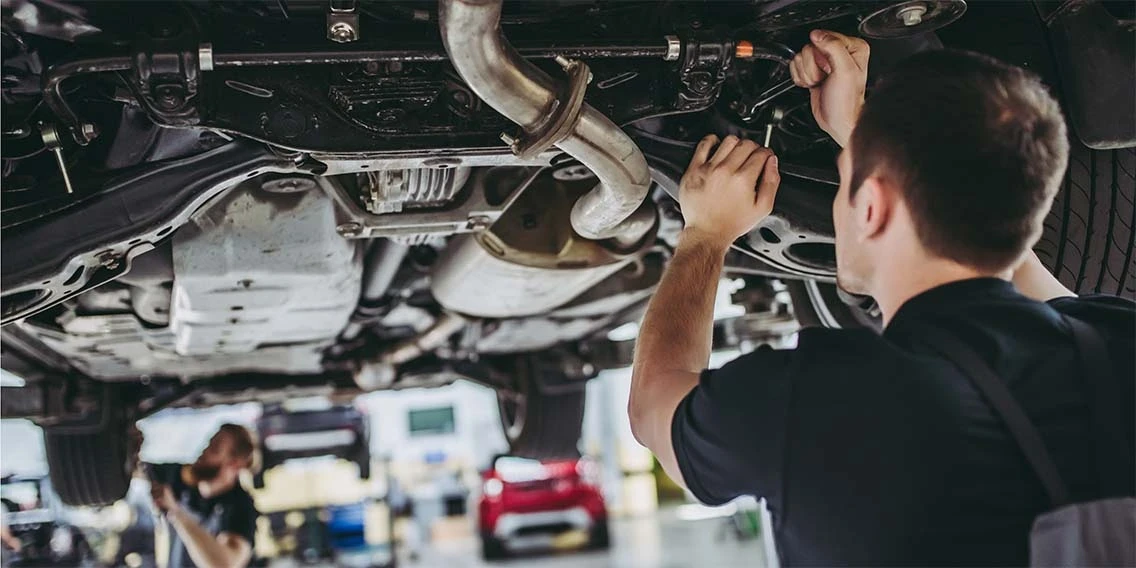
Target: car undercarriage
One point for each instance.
(207, 203)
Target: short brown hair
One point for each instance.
(244, 445)
(977, 147)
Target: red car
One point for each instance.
(527, 502)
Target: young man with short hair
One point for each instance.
(875, 449)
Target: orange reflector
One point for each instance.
(743, 49)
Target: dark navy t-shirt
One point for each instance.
(231, 512)
(873, 449)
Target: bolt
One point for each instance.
(341, 32)
(674, 48)
(508, 139)
(205, 56)
(89, 131)
(169, 98)
(479, 222)
(371, 68)
(108, 259)
(17, 132)
(348, 230)
(563, 62)
(912, 15)
(394, 67)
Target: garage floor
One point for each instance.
(659, 541)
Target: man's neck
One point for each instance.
(903, 281)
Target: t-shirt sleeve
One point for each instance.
(239, 518)
(729, 432)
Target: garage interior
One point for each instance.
(431, 457)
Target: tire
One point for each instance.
(1090, 232)
(818, 304)
(90, 466)
(542, 418)
(492, 548)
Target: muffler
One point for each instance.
(529, 97)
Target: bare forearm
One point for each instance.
(677, 330)
(728, 188)
(202, 546)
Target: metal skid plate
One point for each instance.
(262, 268)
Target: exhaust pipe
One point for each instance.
(380, 370)
(529, 97)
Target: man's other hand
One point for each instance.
(163, 497)
(834, 67)
(725, 194)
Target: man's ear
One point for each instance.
(874, 205)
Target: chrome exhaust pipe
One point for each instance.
(529, 97)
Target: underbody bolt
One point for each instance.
(108, 259)
(563, 62)
(912, 15)
(89, 131)
(480, 222)
(351, 229)
(168, 99)
(508, 139)
(342, 32)
(674, 48)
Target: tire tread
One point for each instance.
(1090, 233)
(89, 468)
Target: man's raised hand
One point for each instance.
(727, 190)
(834, 67)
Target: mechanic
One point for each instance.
(875, 449)
(212, 516)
